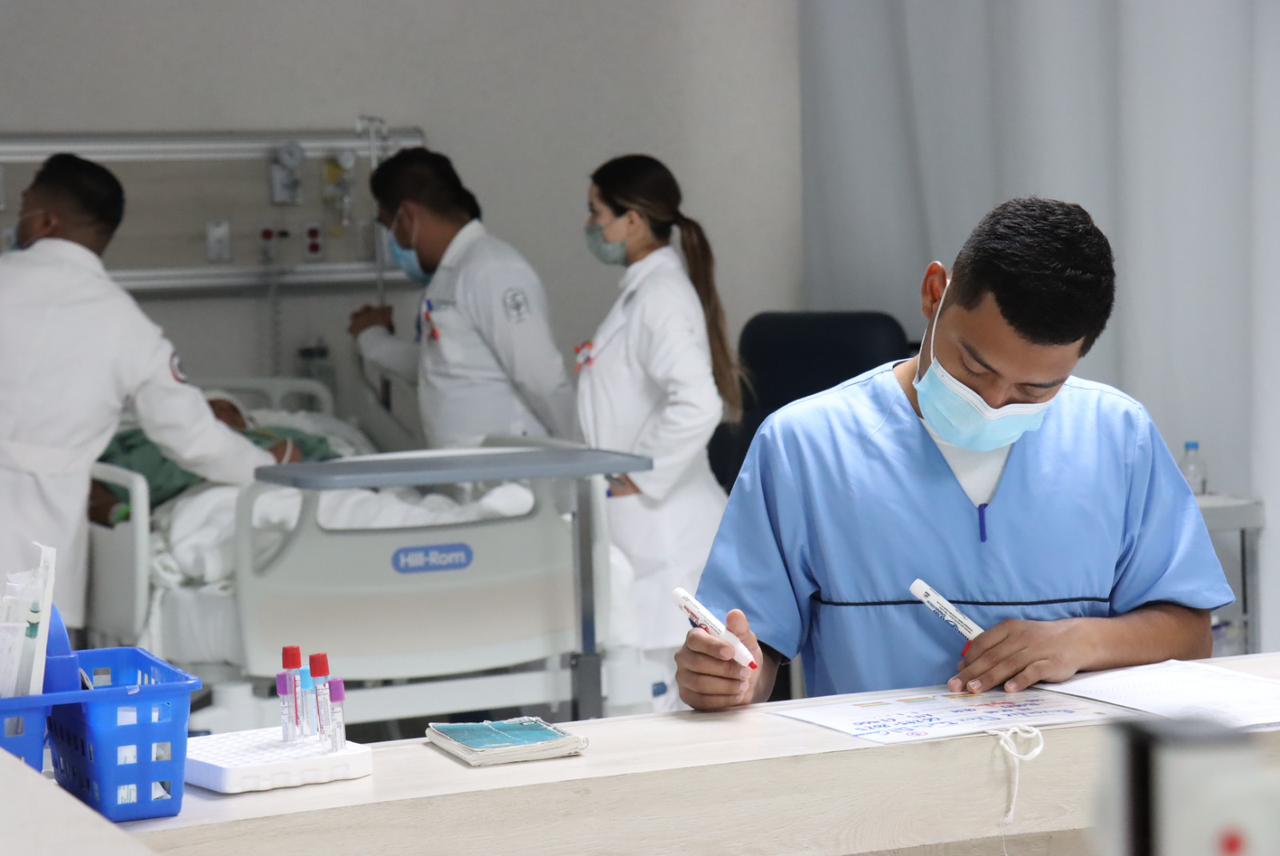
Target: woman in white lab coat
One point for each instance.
(655, 380)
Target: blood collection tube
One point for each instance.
(292, 662)
(320, 676)
(338, 732)
(308, 703)
(284, 687)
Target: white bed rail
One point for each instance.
(397, 428)
(120, 587)
(274, 392)
(448, 601)
(500, 594)
(120, 555)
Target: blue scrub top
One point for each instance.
(845, 499)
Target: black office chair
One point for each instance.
(788, 355)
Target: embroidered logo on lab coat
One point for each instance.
(516, 305)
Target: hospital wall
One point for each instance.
(528, 98)
(1161, 117)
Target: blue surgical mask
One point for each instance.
(17, 242)
(960, 417)
(406, 258)
(609, 252)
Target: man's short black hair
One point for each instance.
(427, 178)
(1048, 266)
(90, 188)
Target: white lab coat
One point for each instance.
(648, 389)
(487, 362)
(74, 351)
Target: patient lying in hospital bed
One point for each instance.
(302, 435)
(192, 616)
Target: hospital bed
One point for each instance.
(425, 621)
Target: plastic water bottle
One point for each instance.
(1194, 469)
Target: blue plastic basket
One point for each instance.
(120, 747)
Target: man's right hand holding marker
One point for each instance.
(709, 677)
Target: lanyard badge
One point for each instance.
(433, 332)
(582, 356)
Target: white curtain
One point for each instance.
(1161, 117)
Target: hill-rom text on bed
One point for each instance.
(438, 557)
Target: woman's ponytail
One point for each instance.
(724, 363)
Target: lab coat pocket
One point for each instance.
(638, 529)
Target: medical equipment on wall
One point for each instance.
(286, 174)
(314, 362)
(338, 184)
(375, 130)
(211, 213)
(1186, 788)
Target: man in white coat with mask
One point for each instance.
(484, 357)
(75, 350)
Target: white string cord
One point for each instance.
(1009, 739)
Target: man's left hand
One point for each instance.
(286, 452)
(370, 316)
(622, 486)
(1018, 654)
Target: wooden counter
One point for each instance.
(745, 781)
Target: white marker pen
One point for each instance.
(699, 616)
(942, 608)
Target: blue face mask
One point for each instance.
(960, 417)
(17, 226)
(406, 258)
(609, 252)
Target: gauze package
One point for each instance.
(26, 606)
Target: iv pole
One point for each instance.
(376, 129)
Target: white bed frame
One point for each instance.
(504, 633)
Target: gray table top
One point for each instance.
(409, 469)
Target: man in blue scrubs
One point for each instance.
(1047, 508)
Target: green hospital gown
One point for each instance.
(133, 450)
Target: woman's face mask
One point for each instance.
(960, 416)
(609, 252)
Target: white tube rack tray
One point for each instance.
(259, 760)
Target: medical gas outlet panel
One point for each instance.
(230, 209)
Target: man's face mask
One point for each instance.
(18, 242)
(959, 416)
(406, 258)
